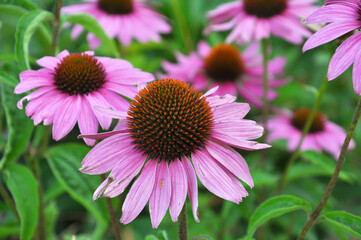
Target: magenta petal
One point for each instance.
(231, 160)
(140, 192)
(231, 111)
(179, 188)
(160, 198)
(97, 100)
(356, 73)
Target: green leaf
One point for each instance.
(64, 161)
(19, 125)
(92, 25)
(8, 79)
(344, 220)
(151, 237)
(23, 187)
(12, 10)
(27, 24)
(9, 229)
(273, 208)
(328, 165)
(23, 3)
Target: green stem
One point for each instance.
(334, 177)
(182, 223)
(305, 131)
(112, 215)
(265, 43)
(181, 20)
(5, 195)
(56, 27)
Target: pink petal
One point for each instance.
(139, 193)
(179, 188)
(160, 198)
(87, 121)
(66, 117)
(192, 186)
(232, 160)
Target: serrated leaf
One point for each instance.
(328, 165)
(64, 161)
(19, 126)
(27, 24)
(92, 25)
(23, 187)
(273, 208)
(344, 220)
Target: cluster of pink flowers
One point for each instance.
(171, 133)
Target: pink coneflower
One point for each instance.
(225, 66)
(323, 135)
(258, 19)
(122, 19)
(71, 85)
(172, 125)
(343, 17)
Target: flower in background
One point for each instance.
(171, 124)
(122, 19)
(71, 85)
(258, 19)
(225, 66)
(342, 17)
(323, 135)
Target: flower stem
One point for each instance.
(5, 195)
(113, 217)
(265, 43)
(305, 131)
(56, 26)
(182, 224)
(334, 177)
(184, 28)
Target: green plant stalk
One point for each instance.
(182, 224)
(334, 177)
(112, 215)
(180, 18)
(265, 43)
(305, 131)
(5, 195)
(56, 27)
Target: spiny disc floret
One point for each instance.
(79, 73)
(169, 119)
(119, 7)
(264, 8)
(224, 63)
(300, 117)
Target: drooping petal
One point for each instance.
(160, 198)
(179, 188)
(192, 186)
(140, 192)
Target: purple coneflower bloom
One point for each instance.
(343, 17)
(168, 126)
(258, 19)
(225, 66)
(323, 135)
(122, 19)
(71, 85)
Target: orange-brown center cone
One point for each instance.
(116, 6)
(79, 73)
(300, 117)
(264, 8)
(224, 63)
(169, 119)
